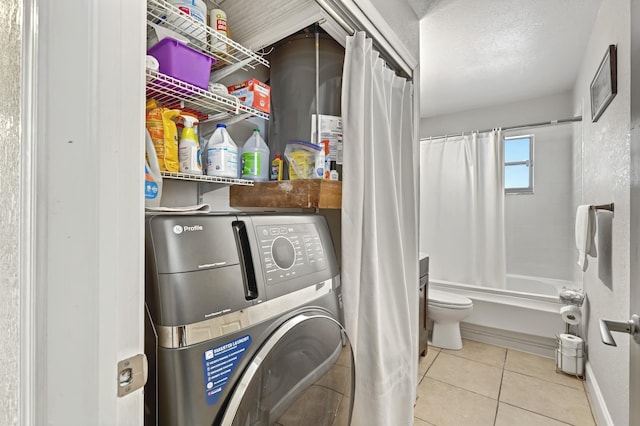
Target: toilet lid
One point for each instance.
(442, 298)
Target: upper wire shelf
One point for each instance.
(202, 37)
(206, 178)
(173, 93)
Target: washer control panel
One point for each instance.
(290, 251)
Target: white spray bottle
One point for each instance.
(189, 147)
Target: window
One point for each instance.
(518, 164)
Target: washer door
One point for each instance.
(303, 374)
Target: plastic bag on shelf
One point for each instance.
(306, 160)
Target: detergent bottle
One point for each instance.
(255, 158)
(189, 147)
(222, 154)
(276, 168)
(152, 176)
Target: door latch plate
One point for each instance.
(132, 374)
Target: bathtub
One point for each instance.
(525, 316)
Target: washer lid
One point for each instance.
(442, 298)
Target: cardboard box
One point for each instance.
(253, 93)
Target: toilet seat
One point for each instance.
(443, 299)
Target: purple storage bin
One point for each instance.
(182, 62)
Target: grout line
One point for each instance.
(495, 418)
(539, 414)
(458, 387)
(475, 360)
(542, 379)
(428, 368)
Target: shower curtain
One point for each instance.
(379, 236)
(462, 208)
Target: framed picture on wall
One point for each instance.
(605, 84)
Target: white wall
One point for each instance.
(531, 111)
(602, 160)
(539, 226)
(403, 20)
(11, 212)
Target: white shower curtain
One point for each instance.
(379, 236)
(462, 208)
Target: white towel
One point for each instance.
(585, 232)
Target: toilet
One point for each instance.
(446, 310)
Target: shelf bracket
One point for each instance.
(218, 75)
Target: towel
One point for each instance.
(585, 232)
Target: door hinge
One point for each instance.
(132, 374)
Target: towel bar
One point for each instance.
(608, 207)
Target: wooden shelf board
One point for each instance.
(304, 193)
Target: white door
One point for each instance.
(89, 286)
(634, 300)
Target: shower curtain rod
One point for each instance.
(518, 127)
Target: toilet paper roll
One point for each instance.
(570, 354)
(571, 314)
(570, 342)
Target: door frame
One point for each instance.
(28, 122)
(82, 235)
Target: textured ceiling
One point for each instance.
(476, 53)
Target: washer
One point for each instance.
(244, 322)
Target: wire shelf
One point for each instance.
(205, 178)
(174, 93)
(202, 37)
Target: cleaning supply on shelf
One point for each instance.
(203, 153)
(164, 134)
(253, 93)
(255, 158)
(319, 166)
(218, 23)
(276, 168)
(197, 9)
(152, 176)
(189, 147)
(305, 159)
(325, 148)
(222, 154)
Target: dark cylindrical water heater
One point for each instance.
(293, 86)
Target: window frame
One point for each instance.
(529, 163)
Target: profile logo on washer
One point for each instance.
(179, 229)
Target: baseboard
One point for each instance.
(596, 400)
(542, 346)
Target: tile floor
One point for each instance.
(488, 385)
